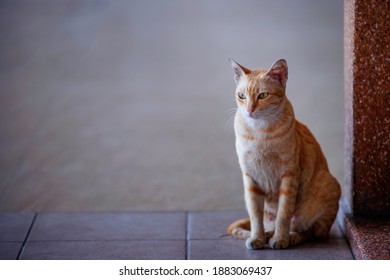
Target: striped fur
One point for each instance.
(290, 194)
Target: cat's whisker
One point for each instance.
(230, 118)
(231, 110)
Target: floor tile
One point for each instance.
(233, 249)
(109, 226)
(213, 224)
(14, 227)
(335, 231)
(105, 250)
(9, 250)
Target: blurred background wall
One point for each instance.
(125, 105)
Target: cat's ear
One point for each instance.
(279, 72)
(239, 70)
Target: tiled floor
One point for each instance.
(150, 235)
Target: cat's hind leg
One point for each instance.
(330, 197)
(322, 226)
(296, 238)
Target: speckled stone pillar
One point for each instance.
(367, 107)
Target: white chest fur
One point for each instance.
(264, 156)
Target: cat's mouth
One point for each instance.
(253, 115)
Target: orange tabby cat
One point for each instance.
(290, 194)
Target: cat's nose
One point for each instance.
(250, 110)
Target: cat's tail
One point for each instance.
(240, 229)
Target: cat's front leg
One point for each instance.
(254, 199)
(286, 206)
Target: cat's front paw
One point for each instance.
(255, 243)
(279, 242)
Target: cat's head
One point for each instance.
(260, 93)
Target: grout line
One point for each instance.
(187, 236)
(27, 236)
(103, 240)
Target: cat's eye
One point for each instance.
(263, 95)
(241, 95)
